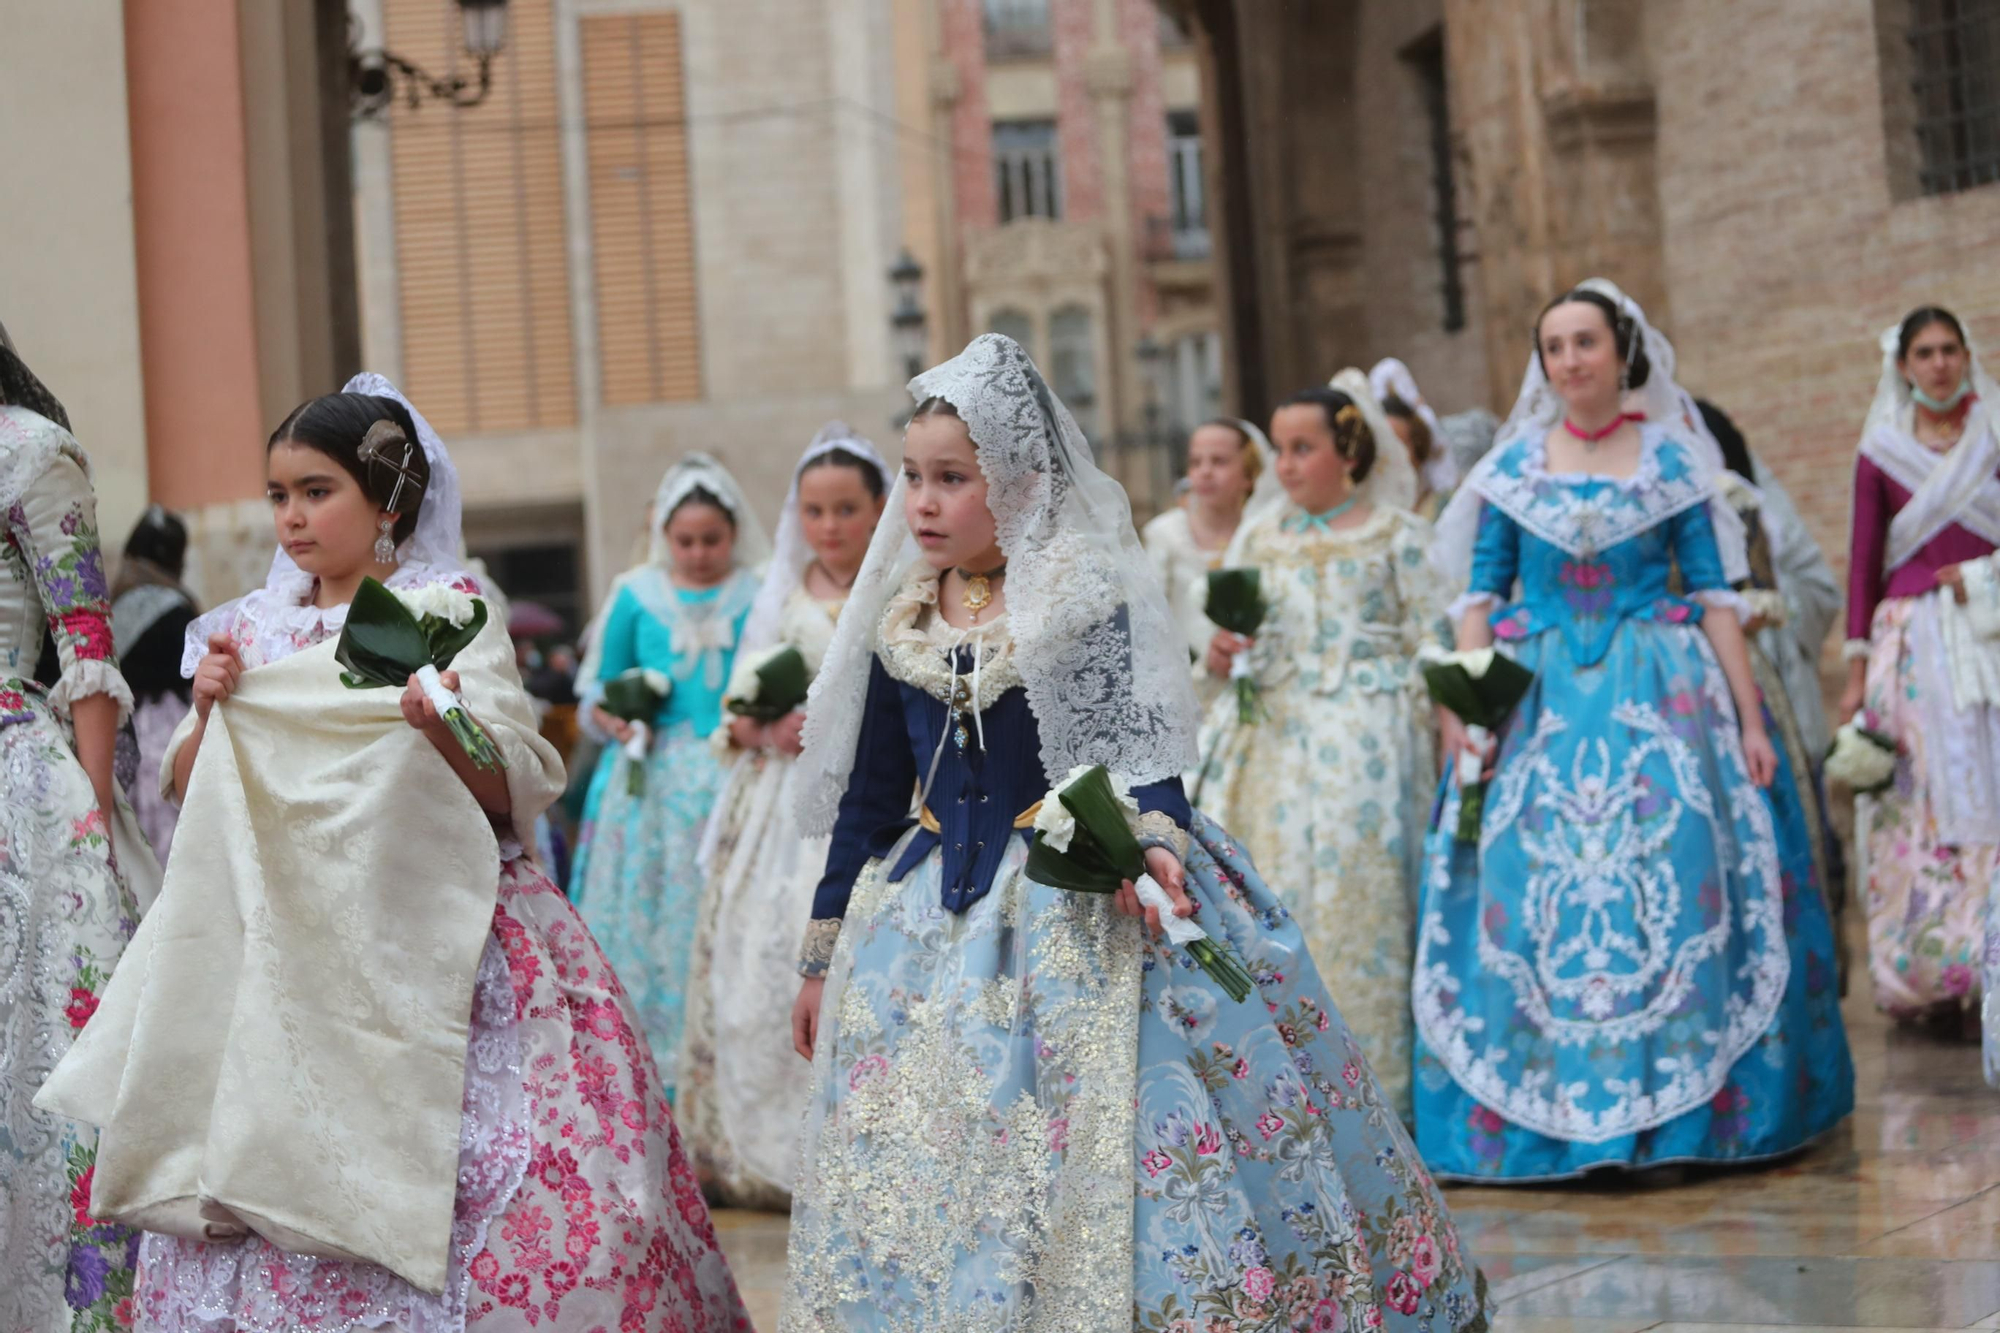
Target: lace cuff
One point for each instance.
(1768, 603)
(1856, 650)
(816, 949)
(87, 676)
(1724, 599)
(1470, 601)
(1157, 829)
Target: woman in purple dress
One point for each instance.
(1926, 514)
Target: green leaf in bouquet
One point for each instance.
(447, 640)
(1482, 701)
(1077, 870)
(1236, 599)
(629, 698)
(381, 644)
(782, 682)
(1101, 819)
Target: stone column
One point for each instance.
(1108, 77)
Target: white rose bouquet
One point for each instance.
(765, 686)
(390, 637)
(635, 697)
(1084, 843)
(1861, 758)
(1481, 686)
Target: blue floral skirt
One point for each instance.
(1634, 966)
(635, 880)
(1031, 1117)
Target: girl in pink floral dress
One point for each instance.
(575, 1205)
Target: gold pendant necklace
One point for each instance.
(978, 592)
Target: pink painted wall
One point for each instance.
(191, 214)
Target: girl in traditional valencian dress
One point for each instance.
(742, 1088)
(1329, 783)
(1417, 426)
(1927, 506)
(363, 1066)
(680, 614)
(1226, 458)
(74, 867)
(1027, 1115)
(1632, 965)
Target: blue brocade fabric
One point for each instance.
(1634, 966)
(1027, 1117)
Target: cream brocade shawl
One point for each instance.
(283, 1045)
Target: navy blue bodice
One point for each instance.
(975, 797)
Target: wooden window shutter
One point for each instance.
(641, 218)
(480, 240)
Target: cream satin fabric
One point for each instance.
(283, 1045)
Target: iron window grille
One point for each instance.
(1027, 171)
(1955, 50)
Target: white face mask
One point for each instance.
(1942, 407)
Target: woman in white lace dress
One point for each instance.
(742, 1088)
(1226, 458)
(363, 1066)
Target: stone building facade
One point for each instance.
(1065, 204)
(1776, 180)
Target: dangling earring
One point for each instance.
(385, 545)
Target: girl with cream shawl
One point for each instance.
(1330, 784)
(1027, 1114)
(742, 1088)
(636, 877)
(363, 1066)
(74, 867)
(1926, 511)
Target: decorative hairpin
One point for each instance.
(382, 437)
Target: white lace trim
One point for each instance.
(917, 646)
(1630, 860)
(251, 1286)
(1557, 508)
(1728, 599)
(87, 676)
(1470, 601)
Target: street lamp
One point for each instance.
(372, 75)
(908, 323)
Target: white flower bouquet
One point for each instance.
(765, 686)
(390, 637)
(1481, 686)
(1084, 843)
(636, 697)
(1861, 758)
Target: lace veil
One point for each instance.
(1662, 401)
(1099, 654)
(793, 554)
(277, 615)
(1963, 489)
(753, 546)
(1392, 376)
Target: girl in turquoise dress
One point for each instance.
(1027, 1114)
(1633, 964)
(636, 881)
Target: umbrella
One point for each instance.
(532, 620)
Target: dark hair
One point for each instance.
(1735, 449)
(1922, 318)
(934, 407)
(1422, 446)
(1624, 334)
(871, 476)
(336, 424)
(20, 388)
(701, 495)
(159, 537)
(1352, 439)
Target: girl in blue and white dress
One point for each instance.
(1633, 966)
(1026, 1114)
(680, 613)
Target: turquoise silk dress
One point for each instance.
(1634, 965)
(1027, 1116)
(635, 878)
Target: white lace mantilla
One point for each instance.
(1596, 857)
(1586, 521)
